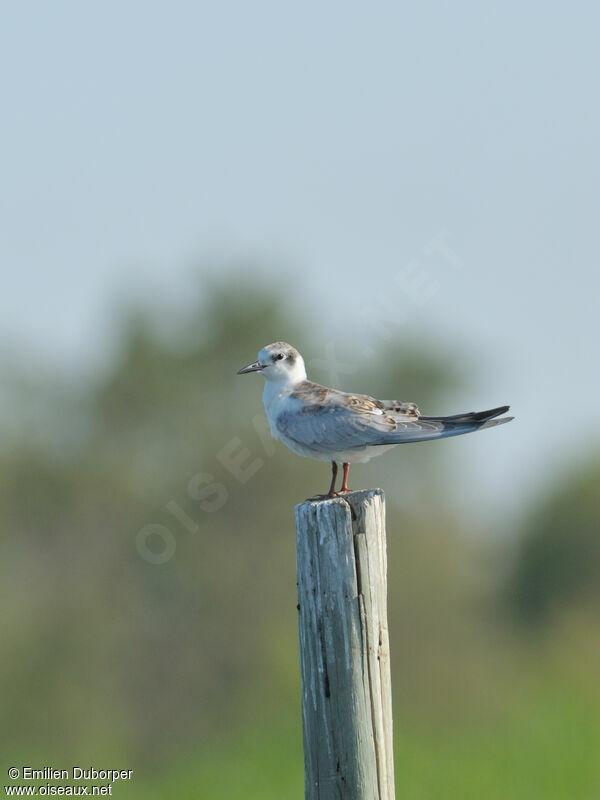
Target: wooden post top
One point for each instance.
(352, 498)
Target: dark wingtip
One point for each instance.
(491, 413)
(471, 416)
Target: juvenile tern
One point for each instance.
(329, 425)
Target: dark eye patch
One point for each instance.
(278, 357)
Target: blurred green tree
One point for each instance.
(558, 557)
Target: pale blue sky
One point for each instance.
(335, 140)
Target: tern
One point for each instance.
(329, 425)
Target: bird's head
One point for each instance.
(278, 362)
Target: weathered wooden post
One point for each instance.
(344, 648)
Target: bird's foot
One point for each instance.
(329, 495)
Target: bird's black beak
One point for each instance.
(256, 367)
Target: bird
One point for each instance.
(341, 427)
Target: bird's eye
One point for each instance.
(279, 356)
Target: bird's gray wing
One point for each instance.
(326, 419)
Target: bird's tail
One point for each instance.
(422, 429)
(471, 421)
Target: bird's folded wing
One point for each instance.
(328, 428)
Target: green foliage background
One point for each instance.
(187, 671)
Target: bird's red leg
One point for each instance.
(332, 492)
(334, 470)
(345, 488)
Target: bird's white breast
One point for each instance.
(277, 399)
